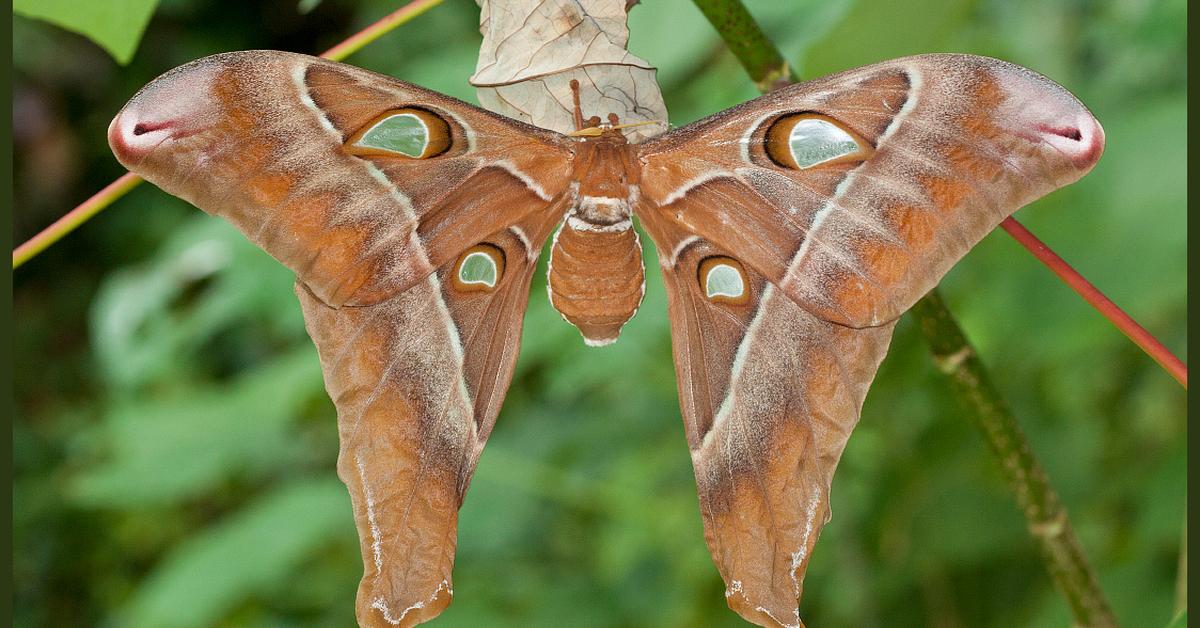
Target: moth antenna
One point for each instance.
(578, 113)
(642, 123)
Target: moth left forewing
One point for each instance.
(361, 184)
(354, 100)
(486, 172)
(769, 395)
(894, 172)
(418, 380)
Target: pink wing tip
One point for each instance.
(1082, 142)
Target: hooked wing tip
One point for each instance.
(1082, 142)
(1044, 112)
(173, 106)
(133, 138)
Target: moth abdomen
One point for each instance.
(596, 278)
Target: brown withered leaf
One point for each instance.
(532, 51)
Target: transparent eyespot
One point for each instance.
(804, 140)
(481, 267)
(412, 133)
(724, 280)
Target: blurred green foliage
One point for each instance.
(115, 25)
(174, 447)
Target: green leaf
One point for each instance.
(1180, 620)
(149, 322)
(166, 448)
(245, 555)
(116, 25)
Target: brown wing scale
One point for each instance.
(417, 349)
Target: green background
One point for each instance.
(174, 448)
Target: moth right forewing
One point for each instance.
(900, 168)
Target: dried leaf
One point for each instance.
(532, 51)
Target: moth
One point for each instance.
(791, 231)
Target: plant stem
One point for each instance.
(359, 40)
(748, 43)
(75, 217)
(1103, 304)
(1047, 519)
(1044, 513)
(126, 182)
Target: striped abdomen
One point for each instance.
(596, 279)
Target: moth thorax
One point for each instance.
(602, 210)
(596, 278)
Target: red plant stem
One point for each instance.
(1103, 304)
(115, 190)
(357, 41)
(75, 217)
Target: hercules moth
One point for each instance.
(791, 230)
